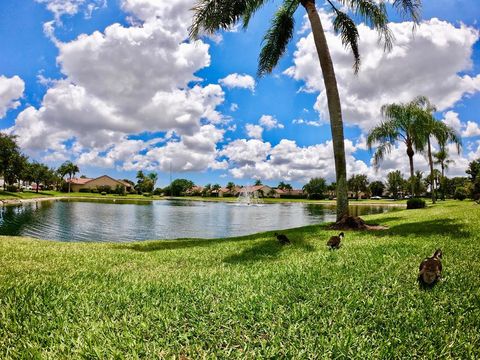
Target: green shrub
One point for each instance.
(157, 191)
(299, 196)
(104, 188)
(84, 190)
(316, 196)
(94, 190)
(104, 193)
(460, 193)
(147, 194)
(120, 190)
(416, 203)
(12, 188)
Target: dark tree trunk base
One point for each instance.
(349, 222)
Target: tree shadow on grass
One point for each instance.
(172, 244)
(382, 220)
(270, 249)
(448, 227)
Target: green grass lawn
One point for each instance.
(282, 200)
(4, 195)
(249, 297)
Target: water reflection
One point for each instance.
(142, 220)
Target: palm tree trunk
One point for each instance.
(69, 183)
(430, 160)
(334, 106)
(443, 180)
(410, 154)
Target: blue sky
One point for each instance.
(118, 98)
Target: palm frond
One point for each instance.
(445, 134)
(409, 8)
(384, 133)
(277, 37)
(250, 10)
(424, 103)
(345, 26)
(213, 15)
(375, 15)
(380, 153)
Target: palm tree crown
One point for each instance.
(402, 123)
(432, 128)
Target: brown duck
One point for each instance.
(335, 241)
(282, 239)
(431, 269)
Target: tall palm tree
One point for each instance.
(432, 128)
(231, 187)
(153, 177)
(213, 15)
(70, 169)
(402, 123)
(442, 159)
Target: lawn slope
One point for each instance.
(249, 297)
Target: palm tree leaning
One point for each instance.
(432, 128)
(213, 15)
(402, 123)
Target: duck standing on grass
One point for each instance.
(335, 241)
(431, 269)
(282, 239)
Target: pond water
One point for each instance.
(125, 221)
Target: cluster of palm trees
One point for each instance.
(70, 169)
(146, 182)
(414, 125)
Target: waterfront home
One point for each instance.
(78, 184)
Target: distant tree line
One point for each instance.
(16, 169)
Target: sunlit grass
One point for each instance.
(249, 297)
(4, 195)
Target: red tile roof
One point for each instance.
(79, 181)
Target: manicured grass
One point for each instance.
(249, 297)
(282, 200)
(4, 195)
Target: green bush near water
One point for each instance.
(249, 297)
(416, 203)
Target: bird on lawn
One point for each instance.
(282, 239)
(334, 242)
(431, 269)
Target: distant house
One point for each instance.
(85, 183)
(279, 193)
(194, 191)
(2, 182)
(257, 190)
(226, 192)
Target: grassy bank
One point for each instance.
(249, 297)
(29, 195)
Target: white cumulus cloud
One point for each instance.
(238, 81)
(11, 89)
(269, 122)
(129, 80)
(432, 61)
(254, 131)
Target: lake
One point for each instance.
(126, 221)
